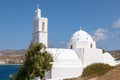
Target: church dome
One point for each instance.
(81, 39)
(81, 36)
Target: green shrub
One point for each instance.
(96, 69)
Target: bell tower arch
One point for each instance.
(40, 28)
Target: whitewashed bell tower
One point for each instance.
(40, 31)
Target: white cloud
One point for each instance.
(100, 34)
(117, 24)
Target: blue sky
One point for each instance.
(100, 18)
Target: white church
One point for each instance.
(69, 62)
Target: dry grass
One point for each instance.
(112, 75)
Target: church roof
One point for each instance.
(81, 36)
(108, 56)
(108, 59)
(63, 54)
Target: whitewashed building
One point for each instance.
(81, 51)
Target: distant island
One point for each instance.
(12, 56)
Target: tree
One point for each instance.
(103, 50)
(37, 62)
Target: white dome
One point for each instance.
(65, 58)
(64, 54)
(81, 39)
(81, 36)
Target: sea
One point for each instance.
(7, 69)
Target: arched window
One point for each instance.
(91, 46)
(43, 26)
(71, 47)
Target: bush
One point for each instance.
(96, 69)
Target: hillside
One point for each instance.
(111, 75)
(115, 53)
(12, 56)
(9, 52)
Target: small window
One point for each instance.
(71, 47)
(90, 45)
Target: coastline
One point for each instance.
(11, 64)
(7, 69)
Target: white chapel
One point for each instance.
(69, 62)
